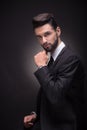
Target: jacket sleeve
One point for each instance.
(55, 84)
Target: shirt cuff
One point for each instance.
(33, 113)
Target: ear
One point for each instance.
(58, 30)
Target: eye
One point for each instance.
(47, 34)
(39, 37)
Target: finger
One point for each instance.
(26, 119)
(45, 51)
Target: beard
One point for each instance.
(48, 47)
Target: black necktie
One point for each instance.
(50, 62)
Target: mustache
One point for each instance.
(46, 43)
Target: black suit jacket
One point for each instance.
(61, 93)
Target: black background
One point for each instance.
(18, 45)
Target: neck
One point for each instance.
(59, 41)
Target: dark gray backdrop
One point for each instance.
(18, 45)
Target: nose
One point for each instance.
(44, 39)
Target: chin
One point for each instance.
(48, 49)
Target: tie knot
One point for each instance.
(51, 61)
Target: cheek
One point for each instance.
(53, 39)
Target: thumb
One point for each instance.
(45, 52)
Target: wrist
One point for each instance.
(41, 66)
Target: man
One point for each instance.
(60, 99)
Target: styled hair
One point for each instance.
(44, 18)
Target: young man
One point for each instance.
(60, 99)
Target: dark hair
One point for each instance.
(44, 18)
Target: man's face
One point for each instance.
(47, 36)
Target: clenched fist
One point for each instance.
(41, 58)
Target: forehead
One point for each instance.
(43, 29)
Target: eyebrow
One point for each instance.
(45, 33)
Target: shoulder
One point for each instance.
(71, 54)
(73, 57)
(69, 57)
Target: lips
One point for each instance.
(46, 45)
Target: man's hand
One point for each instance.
(41, 59)
(29, 120)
